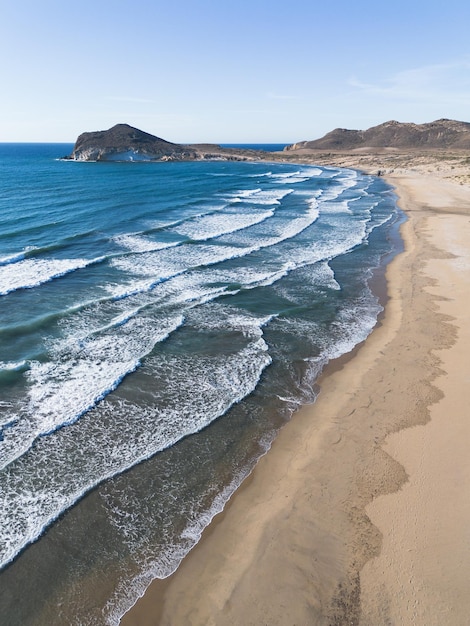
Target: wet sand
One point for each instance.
(359, 513)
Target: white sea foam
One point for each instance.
(34, 272)
(94, 318)
(294, 179)
(211, 386)
(299, 176)
(12, 366)
(130, 289)
(352, 325)
(167, 264)
(260, 196)
(342, 181)
(261, 175)
(140, 243)
(251, 277)
(312, 278)
(82, 372)
(16, 256)
(332, 206)
(245, 193)
(162, 266)
(129, 591)
(299, 224)
(372, 225)
(203, 228)
(225, 317)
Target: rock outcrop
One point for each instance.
(126, 143)
(441, 134)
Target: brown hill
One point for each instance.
(126, 143)
(441, 134)
(123, 142)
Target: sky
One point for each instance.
(250, 71)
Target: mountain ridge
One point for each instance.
(440, 134)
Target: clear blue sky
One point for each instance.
(238, 71)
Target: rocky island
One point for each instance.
(126, 143)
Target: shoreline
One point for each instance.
(295, 543)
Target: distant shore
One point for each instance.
(359, 513)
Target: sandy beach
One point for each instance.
(359, 513)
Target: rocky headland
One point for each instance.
(126, 143)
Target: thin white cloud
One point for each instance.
(443, 83)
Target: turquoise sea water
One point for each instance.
(159, 322)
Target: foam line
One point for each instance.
(34, 272)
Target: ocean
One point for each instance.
(159, 323)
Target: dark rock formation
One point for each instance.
(125, 143)
(441, 134)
